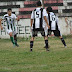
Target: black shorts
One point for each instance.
(35, 32)
(56, 32)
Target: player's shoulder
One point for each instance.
(38, 8)
(34, 10)
(44, 9)
(13, 14)
(52, 13)
(5, 15)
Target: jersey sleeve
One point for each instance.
(3, 17)
(32, 15)
(15, 16)
(44, 12)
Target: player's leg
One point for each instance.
(11, 37)
(15, 35)
(34, 33)
(48, 33)
(58, 34)
(15, 39)
(63, 41)
(9, 31)
(31, 43)
(44, 34)
(46, 43)
(1, 27)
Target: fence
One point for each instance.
(23, 9)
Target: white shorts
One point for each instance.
(10, 30)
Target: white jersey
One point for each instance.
(38, 16)
(53, 21)
(10, 20)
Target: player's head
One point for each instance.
(38, 4)
(49, 9)
(9, 11)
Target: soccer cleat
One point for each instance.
(47, 49)
(31, 50)
(17, 45)
(45, 46)
(65, 46)
(14, 45)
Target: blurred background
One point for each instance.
(23, 9)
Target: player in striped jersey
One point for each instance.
(37, 25)
(11, 28)
(54, 26)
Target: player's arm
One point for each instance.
(46, 22)
(32, 18)
(17, 18)
(45, 18)
(1, 25)
(31, 22)
(66, 20)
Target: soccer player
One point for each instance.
(37, 17)
(54, 27)
(11, 27)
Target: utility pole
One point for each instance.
(42, 1)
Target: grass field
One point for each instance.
(58, 59)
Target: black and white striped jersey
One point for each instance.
(10, 20)
(37, 15)
(53, 21)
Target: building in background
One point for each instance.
(23, 9)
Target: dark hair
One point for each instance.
(39, 3)
(9, 9)
(49, 9)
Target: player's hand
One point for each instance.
(48, 27)
(18, 19)
(66, 25)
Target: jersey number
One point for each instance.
(37, 15)
(53, 17)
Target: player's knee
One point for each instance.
(46, 37)
(32, 39)
(10, 34)
(60, 37)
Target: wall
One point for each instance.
(23, 27)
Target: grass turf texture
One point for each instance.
(59, 59)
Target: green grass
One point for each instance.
(59, 59)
